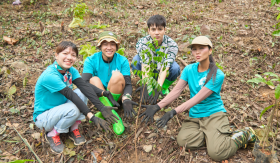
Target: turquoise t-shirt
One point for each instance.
(97, 67)
(196, 80)
(47, 89)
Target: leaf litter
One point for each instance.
(242, 43)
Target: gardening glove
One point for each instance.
(165, 118)
(108, 115)
(100, 122)
(143, 93)
(153, 99)
(128, 108)
(111, 98)
(149, 112)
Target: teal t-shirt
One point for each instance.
(196, 80)
(97, 67)
(47, 89)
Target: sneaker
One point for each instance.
(55, 143)
(243, 137)
(77, 137)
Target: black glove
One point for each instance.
(111, 98)
(153, 99)
(100, 122)
(149, 112)
(108, 115)
(128, 108)
(145, 95)
(165, 118)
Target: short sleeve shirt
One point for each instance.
(96, 66)
(196, 80)
(47, 89)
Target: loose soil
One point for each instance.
(243, 46)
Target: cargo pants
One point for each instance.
(213, 130)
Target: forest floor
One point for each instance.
(243, 46)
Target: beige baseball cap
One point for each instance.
(201, 40)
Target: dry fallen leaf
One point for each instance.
(11, 125)
(9, 40)
(36, 135)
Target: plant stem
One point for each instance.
(269, 124)
(137, 123)
(28, 145)
(274, 139)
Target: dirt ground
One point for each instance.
(243, 46)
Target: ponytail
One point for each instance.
(213, 69)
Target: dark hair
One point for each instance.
(157, 20)
(64, 45)
(213, 69)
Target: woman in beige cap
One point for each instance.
(207, 122)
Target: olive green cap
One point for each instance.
(107, 36)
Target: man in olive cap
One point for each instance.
(110, 71)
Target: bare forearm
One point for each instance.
(162, 76)
(174, 94)
(200, 96)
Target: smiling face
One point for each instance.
(108, 48)
(157, 33)
(66, 58)
(201, 52)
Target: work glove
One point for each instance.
(153, 98)
(143, 93)
(149, 112)
(128, 108)
(108, 115)
(111, 98)
(165, 118)
(100, 122)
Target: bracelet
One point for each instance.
(128, 96)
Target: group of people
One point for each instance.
(107, 74)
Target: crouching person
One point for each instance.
(59, 109)
(110, 72)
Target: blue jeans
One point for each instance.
(61, 117)
(174, 70)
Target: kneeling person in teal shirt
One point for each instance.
(109, 70)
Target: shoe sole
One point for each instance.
(77, 144)
(51, 148)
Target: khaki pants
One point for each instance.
(214, 129)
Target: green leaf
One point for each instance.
(273, 2)
(270, 83)
(275, 80)
(265, 109)
(24, 82)
(168, 109)
(278, 17)
(14, 110)
(277, 91)
(121, 52)
(271, 74)
(12, 90)
(276, 33)
(256, 80)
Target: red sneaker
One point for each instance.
(77, 137)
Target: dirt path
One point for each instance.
(243, 46)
